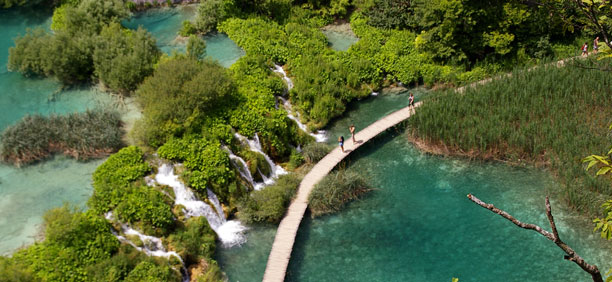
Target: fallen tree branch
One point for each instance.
(554, 236)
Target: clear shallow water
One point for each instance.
(340, 41)
(26, 193)
(418, 225)
(165, 23)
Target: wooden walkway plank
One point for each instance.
(288, 227)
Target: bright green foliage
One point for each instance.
(258, 37)
(295, 159)
(149, 271)
(181, 96)
(118, 267)
(336, 190)
(604, 225)
(123, 58)
(269, 204)
(80, 135)
(10, 271)
(391, 14)
(74, 240)
(257, 164)
(194, 241)
(114, 177)
(208, 165)
(256, 113)
(146, 207)
(187, 29)
(196, 47)
(541, 116)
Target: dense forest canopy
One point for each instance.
(195, 111)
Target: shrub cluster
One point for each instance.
(335, 190)
(87, 41)
(79, 135)
(269, 204)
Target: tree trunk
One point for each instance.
(554, 236)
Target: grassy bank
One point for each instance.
(79, 135)
(548, 116)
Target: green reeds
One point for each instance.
(550, 116)
(335, 190)
(80, 135)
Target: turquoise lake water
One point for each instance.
(26, 193)
(165, 23)
(340, 41)
(418, 225)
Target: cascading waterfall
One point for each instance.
(243, 169)
(320, 136)
(255, 146)
(152, 246)
(230, 232)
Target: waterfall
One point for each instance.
(152, 246)
(230, 232)
(320, 136)
(255, 146)
(281, 71)
(243, 169)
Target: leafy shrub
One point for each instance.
(208, 165)
(194, 241)
(80, 135)
(187, 29)
(270, 203)
(123, 58)
(295, 160)
(180, 96)
(73, 241)
(146, 207)
(335, 190)
(112, 178)
(314, 152)
(147, 270)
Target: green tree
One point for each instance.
(123, 58)
(196, 47)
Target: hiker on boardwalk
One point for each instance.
(585, 49)
(341, 143)
(411, 101)
(596, 45)
(352, 129)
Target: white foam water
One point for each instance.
(243, 169)
(152, 246)
(320, 136)
(230, 235)
(255, 146)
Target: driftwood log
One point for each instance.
(554, 236)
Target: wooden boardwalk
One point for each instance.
(287, 230)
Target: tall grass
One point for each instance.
(79, 135)
(551, 116)
(335, 190)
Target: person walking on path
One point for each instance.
(411, 101)
(585, 49)
(341, 143)
(596, 45)
(352, 129)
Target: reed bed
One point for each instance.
(82, 136)
(549, 116)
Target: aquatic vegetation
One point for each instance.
(269, 204)
(551, 116)
(79, 135)
(314, 152)
(336, 190)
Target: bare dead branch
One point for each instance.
(554, 236)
